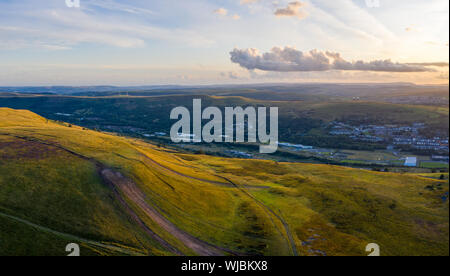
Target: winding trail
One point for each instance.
(226, 184)
(267, 208)
(133, 193)
(243, 188)
(74, 238)
(104, 173)
(122, 185)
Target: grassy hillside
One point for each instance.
(118, 196)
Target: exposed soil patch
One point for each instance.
(434, 229)
(132, 192)
(22, 149)
(132, 215)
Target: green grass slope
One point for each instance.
(53, 191)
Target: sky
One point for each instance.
(200, 42)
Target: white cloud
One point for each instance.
(224, 13)
(221, 11)
(63, 28)
(175, 33)
(114, 6)
(236, 17)
(289, 59)
(293, 9)
(433, 64)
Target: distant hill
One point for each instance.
(69, 90)
(404, 93)
(60, 183)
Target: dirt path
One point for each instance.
(133, 193)
(285, 224)
(133, 216)
(73, 238)
(226, 184)
(116, 181)
(229, 183)
(242, 188)
(119, 184)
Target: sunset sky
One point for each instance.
(144, 42)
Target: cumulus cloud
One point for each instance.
(434, 64)
(221, 11)
(224, 13)
(289, 59)
(293, 9)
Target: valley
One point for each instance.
(336, 129)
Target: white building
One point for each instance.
(411, 162)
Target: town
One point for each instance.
(393, 135)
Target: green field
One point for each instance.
(433, 165)
(61, 183)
